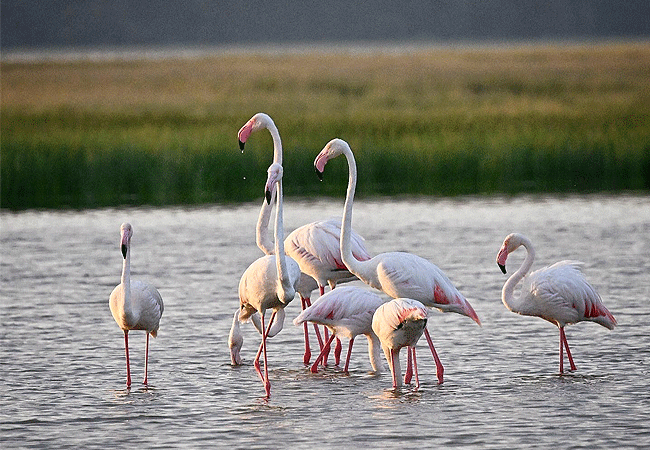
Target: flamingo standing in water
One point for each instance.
(346, 311)
(398, 274)
(270, 281)
(314, 246)
(400, 323)
(558, 293)
(135, 305)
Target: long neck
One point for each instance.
(261, 232)
(507, 294)
(346, 226)
(277, 143)
(126, 281)
(285, 288)
(374, 352)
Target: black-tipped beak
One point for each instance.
(319, 173)
(123, 247)
(268, 195)
(502, 267)
(241, 145)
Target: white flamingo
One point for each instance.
(346, 311)
(558, 293)
(270, 281)
(314, 246)
(400, 323)
(135, 305)
(398, 274)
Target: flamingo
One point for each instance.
(400, 323)
(236, 339)
(314, 246)
(135, 305)
(558, 293)
(398, 274)
(270, 281)
(346, 311)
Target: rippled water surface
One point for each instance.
(63, 376)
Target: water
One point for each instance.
(63, 375)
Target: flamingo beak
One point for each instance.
(123, 247)
(319, 174)
(502, 257)
(268, 194)
(502, 267)
(241, 145)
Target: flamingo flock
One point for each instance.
(391, 310)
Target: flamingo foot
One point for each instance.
(267, 388)
(307, 357)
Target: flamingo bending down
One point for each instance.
(270, 281)
(314, 246)
(398, 274)
(236, 340)
(346, 311)
(400, 323)
(558, 293)
(135, 305)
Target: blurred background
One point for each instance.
(130, 102)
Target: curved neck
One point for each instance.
(277, 142)
(374, 352)
(507, 294)
(262, 230)
(284, 287)
(346, 226)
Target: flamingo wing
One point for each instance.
(562, 295)
(150, 304)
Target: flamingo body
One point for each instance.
(398, 324)
(347, 311)
(135, 305)
(558, 293)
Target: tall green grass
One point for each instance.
(444, 122)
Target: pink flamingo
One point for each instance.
(558, 293)
(314, 246)
(346, 311)
(398, 274)
(400, 323)
(270, 281)
(135, 305)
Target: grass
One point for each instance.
(547, 118)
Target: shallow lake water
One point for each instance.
(63, 376)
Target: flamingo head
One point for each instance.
(275, 173)
(126, 231)
(334, 148)
(235, 341)
(255, 123)
(510, 244)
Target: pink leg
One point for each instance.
(563, 341)
(307, 357)
(256, 363)
(146, 359)
(415, 368)
(321, 355)
(327, 353)
(439, 369)
(337, 352)
(347, 360)
(561, 355)
(128, 365)
(409, 367)
(393, 355)
(316, 330)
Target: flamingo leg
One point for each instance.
(327, 338)
(409, 367)
(146, 359)
(415, 368)
(307, 357)
(439, 368)
(347, 360)
(393, 355)
(563, 341)
(321, 355)
(337, 352)
(128, 365)
(316, 330)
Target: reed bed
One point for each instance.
(483, 120)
